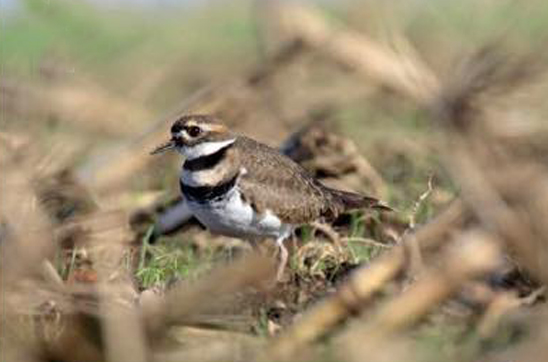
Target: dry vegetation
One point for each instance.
(95, 268)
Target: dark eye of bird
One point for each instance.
(193, 131)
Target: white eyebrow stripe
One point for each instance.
(206, 127)
(205, 148)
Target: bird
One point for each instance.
(238, 187)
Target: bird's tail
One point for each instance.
(352, 201)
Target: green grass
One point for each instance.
(73, 29)
(170, 261)
(110, 46)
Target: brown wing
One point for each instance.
(292, 193)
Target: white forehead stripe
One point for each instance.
(205, 148)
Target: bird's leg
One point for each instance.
(283, 257)
(252, 241)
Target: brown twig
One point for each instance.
(473, 255)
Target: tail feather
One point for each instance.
(352, 201)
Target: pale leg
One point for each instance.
(283, 257)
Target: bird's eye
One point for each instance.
(193, 131)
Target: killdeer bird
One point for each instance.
(238, 187)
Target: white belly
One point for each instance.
(230, 216)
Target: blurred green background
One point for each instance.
(88, 78)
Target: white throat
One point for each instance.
(204, 148)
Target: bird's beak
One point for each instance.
(165, 147)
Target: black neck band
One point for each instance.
(206, 162)
(207, 193)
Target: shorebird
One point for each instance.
(238, 187)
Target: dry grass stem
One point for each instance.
(403, 72)
(360, 288)
(416, 260)
(366, 241)
(474, 255)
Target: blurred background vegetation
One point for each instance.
(87, 88)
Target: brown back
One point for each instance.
(292, 193)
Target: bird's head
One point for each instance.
(197, 135)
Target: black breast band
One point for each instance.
(207, 193)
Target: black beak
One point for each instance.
(163, 148)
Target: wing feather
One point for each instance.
(292, 193)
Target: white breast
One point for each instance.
(231, 216)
